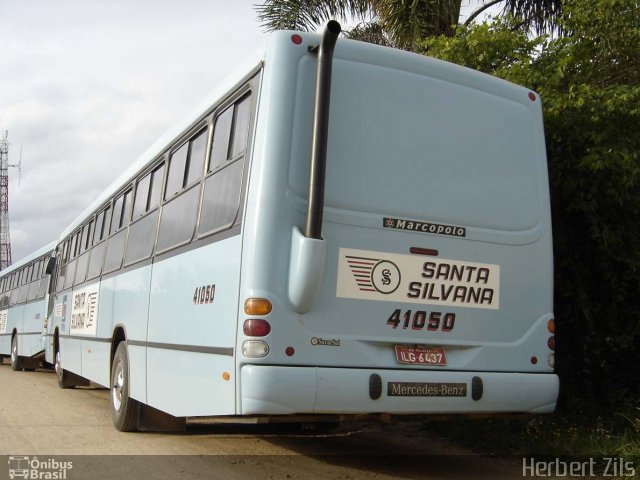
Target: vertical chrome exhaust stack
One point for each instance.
(308, 250)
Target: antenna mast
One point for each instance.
(5, 239)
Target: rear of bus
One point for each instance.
(431, 288)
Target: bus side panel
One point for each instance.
(31, 331)
(70, 349)
(190, 384)
(192, 325)
(124, 300)
(49, 346)
(16, 316)
(9, 323)
(95, 361)
(5, 344)
(71, 354)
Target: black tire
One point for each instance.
(16, 361)
(124, 409)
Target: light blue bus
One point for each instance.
(24, 295)
(340, 229)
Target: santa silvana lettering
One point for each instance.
(454, 283)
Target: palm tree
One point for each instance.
(400, 23)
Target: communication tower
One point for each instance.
(5, 238)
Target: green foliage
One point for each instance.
(490, 48)
(399, 23)
(308, 14)
(589, 81)
(371, 32)
(578, 434)
(406, 21)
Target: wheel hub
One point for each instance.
(118, 387)
(58, 364)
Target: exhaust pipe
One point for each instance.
(306, 264)
(315, 208)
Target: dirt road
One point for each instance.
(39, 420)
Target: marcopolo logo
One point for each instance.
(424, 227)
(374, 274)
(38, 469)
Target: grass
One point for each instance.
(580, 433)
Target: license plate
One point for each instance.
(420, 355)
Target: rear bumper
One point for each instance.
(270, 390)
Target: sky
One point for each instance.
(86, 86)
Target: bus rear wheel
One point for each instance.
(124, 409)
(16, 362)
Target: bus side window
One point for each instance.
(222, 188)
(99, 246)
(186, 164)
(157, 176)
(77, 240)
(73, 261)
(85, 252)
(65, 250)
(38, 271)
(177, 163)
(142, 232)
(9, 289)
(197, 154)
(221, 136)
(102, 226)
(14, 292)
(86, 236)
(142, 197)
(121, 212)
(72, 250)
(180, 212)
(241, 119)
(126, 210)
(34, 284)
(62, 268)
(117, 215)
(116, 242)
(25, 274)
(42, 278)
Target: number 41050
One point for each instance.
(420, 320)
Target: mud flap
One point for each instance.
(153, 420)
(33, 362)
(73, 380)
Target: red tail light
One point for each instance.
(256, 327)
